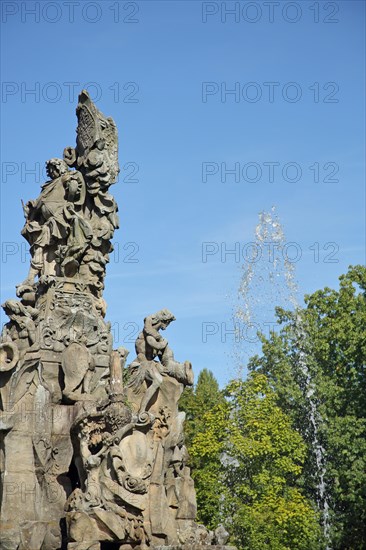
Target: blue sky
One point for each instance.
(161, 69)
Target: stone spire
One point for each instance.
(92, 451)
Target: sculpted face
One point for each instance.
(55, 168)
(100, 144)
(165, 317)
(165, 323)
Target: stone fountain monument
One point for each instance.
(92, 452)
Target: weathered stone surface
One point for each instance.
(91, 450)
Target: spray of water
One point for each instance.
(302, 343)
(267, 281)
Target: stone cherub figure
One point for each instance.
(151, 345)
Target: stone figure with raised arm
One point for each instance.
(151, 345)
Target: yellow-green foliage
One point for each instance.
(250, 460)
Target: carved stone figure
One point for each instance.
(150, 345)
(78, 366)
(52, 221)
(92, 452)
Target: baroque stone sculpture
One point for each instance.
(92, 451)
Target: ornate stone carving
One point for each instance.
(144, 369)
(91, 451)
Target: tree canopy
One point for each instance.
(280, 458)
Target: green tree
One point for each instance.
(328, 337)
(198, 400)
(251, 460)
